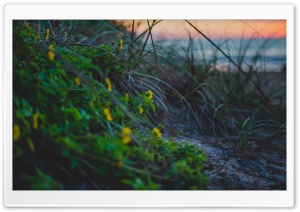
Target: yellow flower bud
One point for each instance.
(51, 54)
(121, 44)
(47, 34)
(126, 135)
(157, 132)
(77, 81)
(109, 87)
(141, 109)
(127, 96)
(16, 132)
(107, 114)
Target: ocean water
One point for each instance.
(261, 54)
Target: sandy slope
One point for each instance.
(247, 171)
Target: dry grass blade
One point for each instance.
(166, 84)
(153, 24)
(275, 135)
(266, 98)
(130, 46)
(150, 29)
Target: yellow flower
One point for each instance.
(127, 96)
(16, 132)
(51, 54)
(150, 94)
(141, 109)
(157, 132)
(108, 84)
(107, 114)
(47, 34)
(27, 25)
(126, 135)
(35, 121)
(121, 44)
(77, 81)
(51, 47)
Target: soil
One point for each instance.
(227, 170)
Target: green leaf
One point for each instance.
(74, 162)
(152, 106)
(72, 145)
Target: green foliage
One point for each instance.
(70, 122)
(41, 181)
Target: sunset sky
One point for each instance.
(178, 29)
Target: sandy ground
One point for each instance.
(274, 85)
(226, 170)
